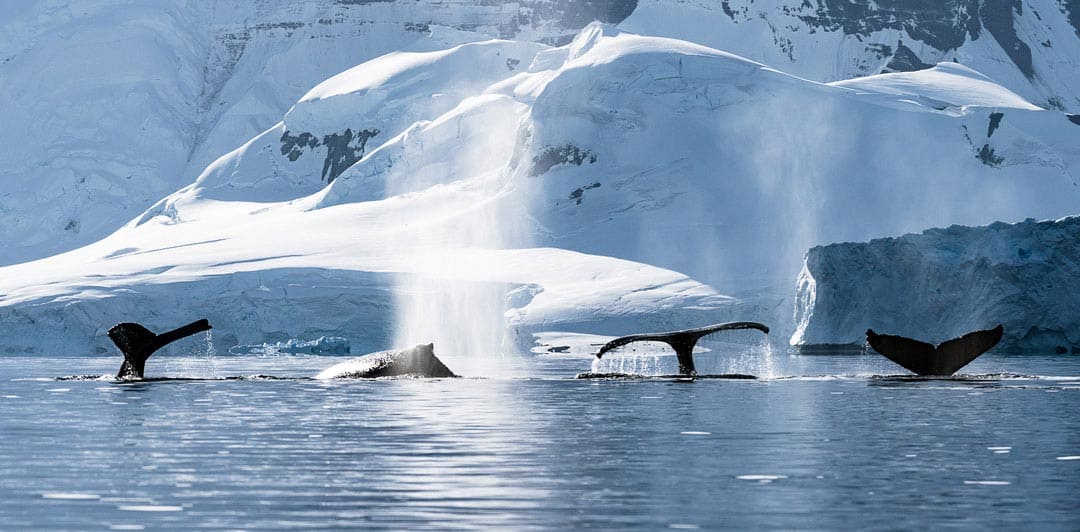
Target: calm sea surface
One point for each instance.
(824, 444)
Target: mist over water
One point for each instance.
(448, 302)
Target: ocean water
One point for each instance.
(826, 442)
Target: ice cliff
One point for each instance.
(942, 283)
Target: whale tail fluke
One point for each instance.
(682, 342)
(926, 359)
(137, 343)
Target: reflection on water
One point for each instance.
(823, 445)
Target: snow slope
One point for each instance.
(108, 105)
(618, 183)
(943, 283)
(1030, 46)
(943, 85)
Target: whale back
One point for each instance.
(419, 361)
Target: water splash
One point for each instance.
(200, 362)
(210, 353)
(742, 352)
(725, 352)
(641, 358)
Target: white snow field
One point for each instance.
(109, 105)
(616, 184)
(942, 283)
(1031, 47)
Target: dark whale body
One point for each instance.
(420, 361)
(682, 342)
(927, 359)
(137, 343)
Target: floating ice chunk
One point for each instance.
(761, 478)
(71, 496)
(150, 508)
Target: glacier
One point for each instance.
(481, 193)
(942, 283)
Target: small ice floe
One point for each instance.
(58, 390)
(1068, 458)
(1004, 449)
(150, 508)
(11, 397)
(761, 479)
(126, 527)
(314, 435)
(695, 433)
(987, 482)
(683, 526)
(67, 496)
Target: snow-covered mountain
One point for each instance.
(943, 283)
(1030, 46)
(618, 182)
(109, 105)
(473, 192)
